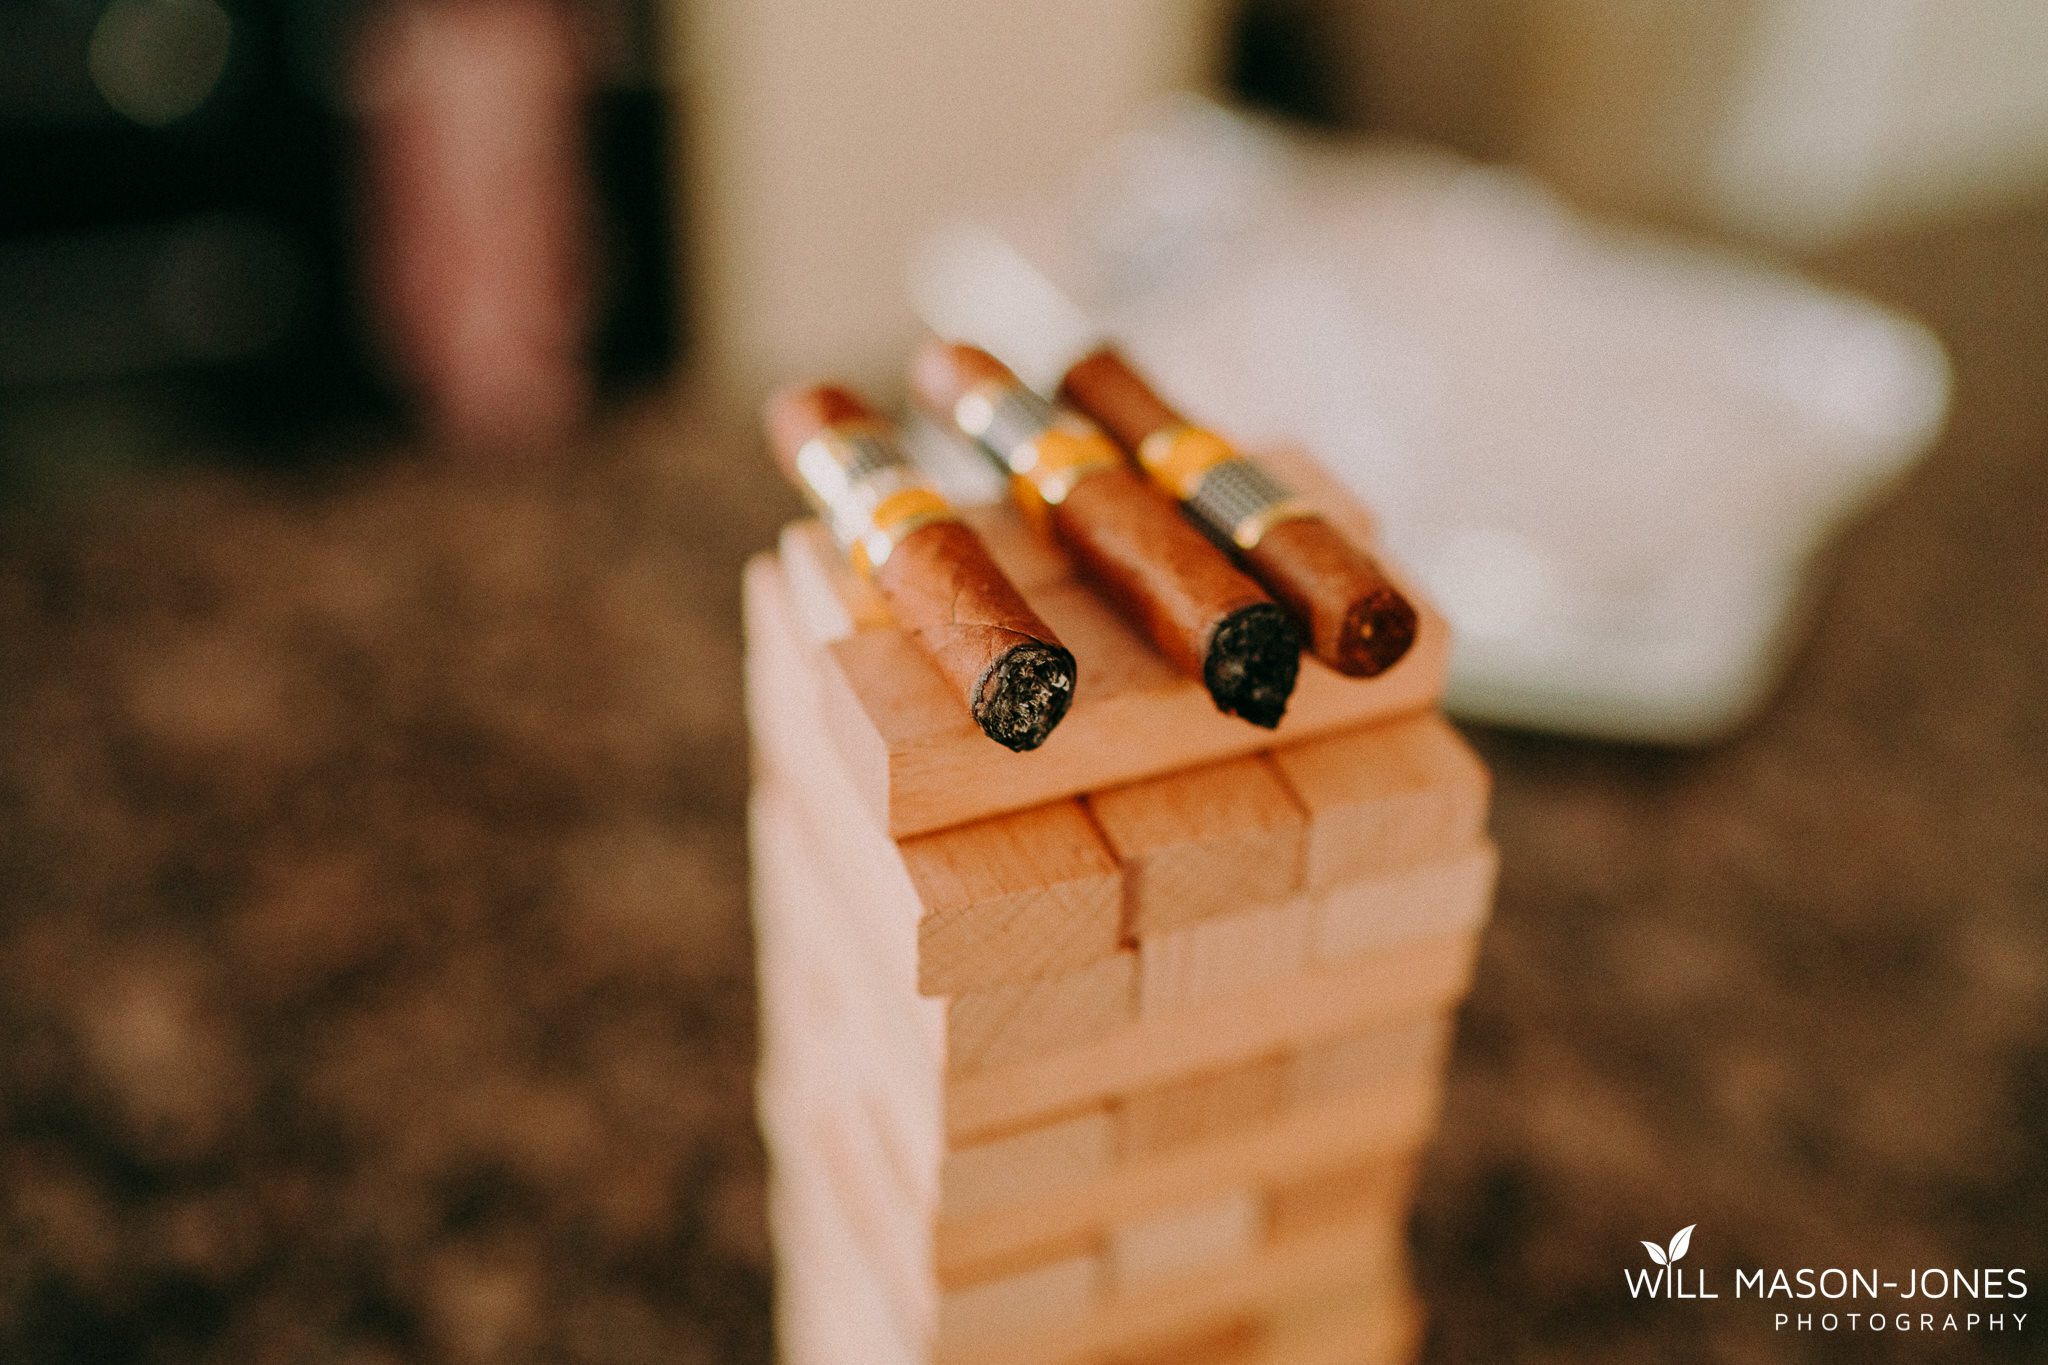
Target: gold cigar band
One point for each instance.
(894, 519)
(1178, 458)
(1230, 497)
(1251, 529)
(860, 481)
(1048, 451)
(1062, 455)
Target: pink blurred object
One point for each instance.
(478, 256)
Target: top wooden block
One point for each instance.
(922, 764)
(1392, 797)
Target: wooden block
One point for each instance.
(781, 678)
(1209, 840)
(783, 699)
(1016, 1020)
(1185, 1240)
(1437, 898)
(1385, 1054)
(1202, 1108)
(1030, 559)
(1038, 1163)
(806, 1123)
(1372, 1321)
(830, 1307)
(836, 1058)
(817, 1100)
(922, 764)
(1233, 1343)
(829, 599)
(1294, 1145)
(1029, 894)
(863, 942)
(1225, 956)
(822, 994)
(810, 1150)
(1375, 1190)
(1029, 1227)
(1385, 797)
(1154, 1317)
(1337, 998)
(1044, 1298)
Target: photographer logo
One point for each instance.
(1852, 1300)
(1665, 1280)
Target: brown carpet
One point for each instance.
(375, 979)
(347, 1013)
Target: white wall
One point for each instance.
(821, 138)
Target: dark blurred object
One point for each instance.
(475, 198)
(1445, 70)
(175, 211)
(171, 207)
(1277, 58)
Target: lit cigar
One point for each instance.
(1196, 607)
(1358, 621)
(1015, 676)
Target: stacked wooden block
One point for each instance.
(1120, 1051)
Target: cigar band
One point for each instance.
(1236, 502)
(893, 521)
(1046, 448)
(859, 479)
(1178, 457)
(1249, 531)
(1056, 459)
(838, 459)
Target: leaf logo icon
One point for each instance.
(1680, 1240)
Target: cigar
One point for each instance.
(1007, 665)
(1196, 607)
(1357, 621)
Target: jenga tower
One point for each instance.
(1120, 1051)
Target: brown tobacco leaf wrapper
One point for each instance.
(1165, 576)
(1198, 610)
(1103, 385)
(944, 589)
(1006, 664)
(1357, 620)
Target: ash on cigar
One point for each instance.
(1024, 695)
(1253, 659)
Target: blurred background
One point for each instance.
(377, 381)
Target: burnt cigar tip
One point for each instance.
(1254, 657)
(1024, 694)
(944, 371)
(795, 415)
(1378, 630)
